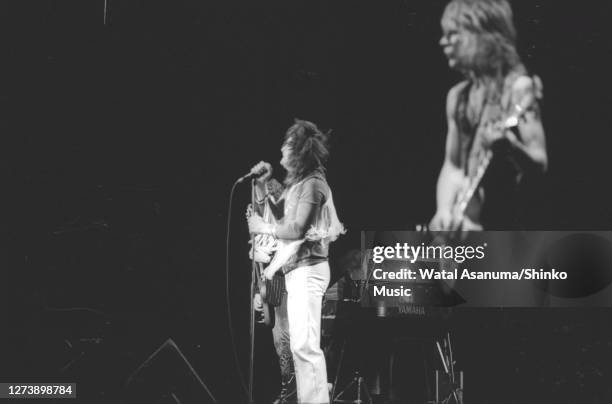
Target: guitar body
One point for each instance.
(466, 210)
(271, 291)
(270, 253)
(463, 210)
(268, 310)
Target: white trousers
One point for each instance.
(305, 289)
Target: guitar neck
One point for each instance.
(511, 121)
(474, 183)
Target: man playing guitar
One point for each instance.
(493, 112)
(307, 225)
(263, 250)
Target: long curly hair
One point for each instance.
(494, 54)
(309, 150)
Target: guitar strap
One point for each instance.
(488, 111)
(468, 127)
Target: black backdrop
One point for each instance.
(122, 142)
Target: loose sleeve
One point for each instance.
(310, 199)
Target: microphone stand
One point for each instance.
(252, 313)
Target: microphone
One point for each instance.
(253, 174)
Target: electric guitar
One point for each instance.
(267, 309)
(465, 195)
(264, 248)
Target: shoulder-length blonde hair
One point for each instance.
(494, 55)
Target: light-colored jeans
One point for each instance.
(305, 289)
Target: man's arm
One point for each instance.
(261, 192)
(530, 151)
(311, 196)
(269, 192)
(451, 175)
(526, 143)
(294, 228)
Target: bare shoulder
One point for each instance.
(527, 85)
(453, 95)
(455, 90)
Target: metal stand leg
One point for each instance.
(360, 387)
(340, 361)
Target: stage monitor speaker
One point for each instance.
(167, 377)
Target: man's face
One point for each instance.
(457, 44)
(286, 154)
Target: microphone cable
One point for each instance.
(227, 290)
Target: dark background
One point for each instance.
(122, 141)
